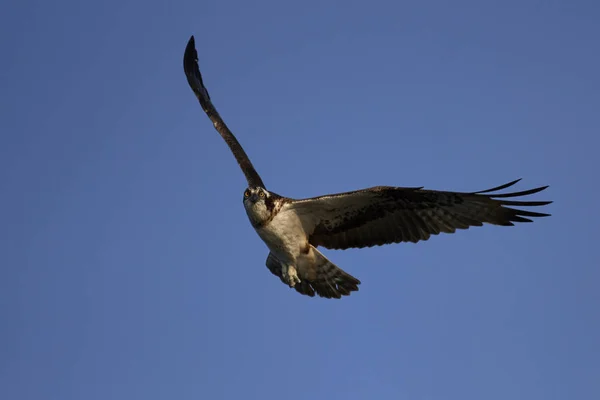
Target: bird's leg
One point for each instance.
(290, 275)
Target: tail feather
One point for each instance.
(329, 281)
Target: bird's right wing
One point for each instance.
(194, 78)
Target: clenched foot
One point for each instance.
(290, 275)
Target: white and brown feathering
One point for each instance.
(325, 278)
(362, 218)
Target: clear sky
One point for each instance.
(129, 269)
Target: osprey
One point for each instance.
(292, 229)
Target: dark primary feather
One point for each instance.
(194, 78)
(383, 214)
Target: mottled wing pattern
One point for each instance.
(383, 214)
(327, 280)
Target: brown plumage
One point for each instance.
(194, 78)
(293, 229)
(383, 214)
(325, 279)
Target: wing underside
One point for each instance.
(383, 215)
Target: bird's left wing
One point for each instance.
(384, 214)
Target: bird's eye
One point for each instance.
(247, 193)
(261, 194)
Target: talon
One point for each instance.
(290, 276)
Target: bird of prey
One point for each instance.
(292, 229)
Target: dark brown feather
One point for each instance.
(194, 78)
(384, 214)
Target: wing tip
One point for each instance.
(510, 216)
(192, 72)
(488, 192)
(190, 56)
(495, 189)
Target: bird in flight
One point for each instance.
(292, 229)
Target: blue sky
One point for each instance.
(129, 269)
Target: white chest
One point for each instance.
(284, 235)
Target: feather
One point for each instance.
(194, 78)
(362, 218)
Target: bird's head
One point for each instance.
(255, 195)
(258, 203)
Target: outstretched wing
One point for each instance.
(383, 214)
(194, 78)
